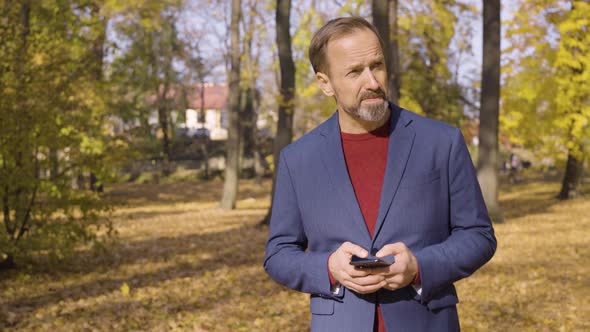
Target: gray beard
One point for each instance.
(368, 112)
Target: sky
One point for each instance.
(206, 22)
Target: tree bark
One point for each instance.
(487, 171)
(247, 125)
(395, 81)
(286, 103)
(98, 56)
(248, 113)
(572, 177)
(232, 164)
(385, 20)
(380, 12)
(204, 141)
(259, 162)
(163, 120)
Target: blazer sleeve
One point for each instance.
(286, 259)
(471, 242)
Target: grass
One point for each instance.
(179, 264)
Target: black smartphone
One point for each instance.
(372, 261)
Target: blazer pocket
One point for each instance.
(412, 180)
(443, 302)
(321, 306)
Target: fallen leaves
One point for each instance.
(181, 264)
(125, 289)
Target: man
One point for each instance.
(375, 179)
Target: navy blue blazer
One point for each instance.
(430, 200)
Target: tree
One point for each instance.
(426, 35)
(573, 96)
(146, 71)
(51, 125)
(551, 86)
(250, 95)
(394, 60)
(198, 71)
(385, 20)
(286, 100)
(490, 103)
(232, 166)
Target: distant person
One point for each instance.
(375, 179)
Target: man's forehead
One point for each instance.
(352, 46)
(343, 37)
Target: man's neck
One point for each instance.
(353, 125)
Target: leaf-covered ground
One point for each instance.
(182, 264)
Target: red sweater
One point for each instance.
(366, 159)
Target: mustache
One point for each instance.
(373, 94)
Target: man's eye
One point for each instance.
(378, 64)
(354, 72)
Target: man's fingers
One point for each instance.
(364, 289)
(353, 249)
(392, 249)
(368, 280)
(357, 273)
(395, 280)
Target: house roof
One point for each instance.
(216, 96)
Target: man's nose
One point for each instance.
(371, 82)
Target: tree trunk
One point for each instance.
(201, 118)
(98, 55)
(380, 12)
(53, 164)
(258, 156)
(232, 166)
(19, 196)
(247, 125)
(572, 177)
(247, 111)
(395, 80)
(25, 149)
(286, 104)
(382, 9)
(487, 171)
(163, 120)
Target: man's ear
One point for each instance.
(324, 83)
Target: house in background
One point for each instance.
(213, 121)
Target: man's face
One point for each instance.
(356, 75)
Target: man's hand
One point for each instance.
(358, 280)
(403, 271)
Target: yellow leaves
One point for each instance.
(547, 80)
(38, 59)
(350, 7)
(91, 145)
(125, 289)
(406, 101)
(67, 130)
(196, 268)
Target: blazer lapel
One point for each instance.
(401, 139)
(333, 159)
